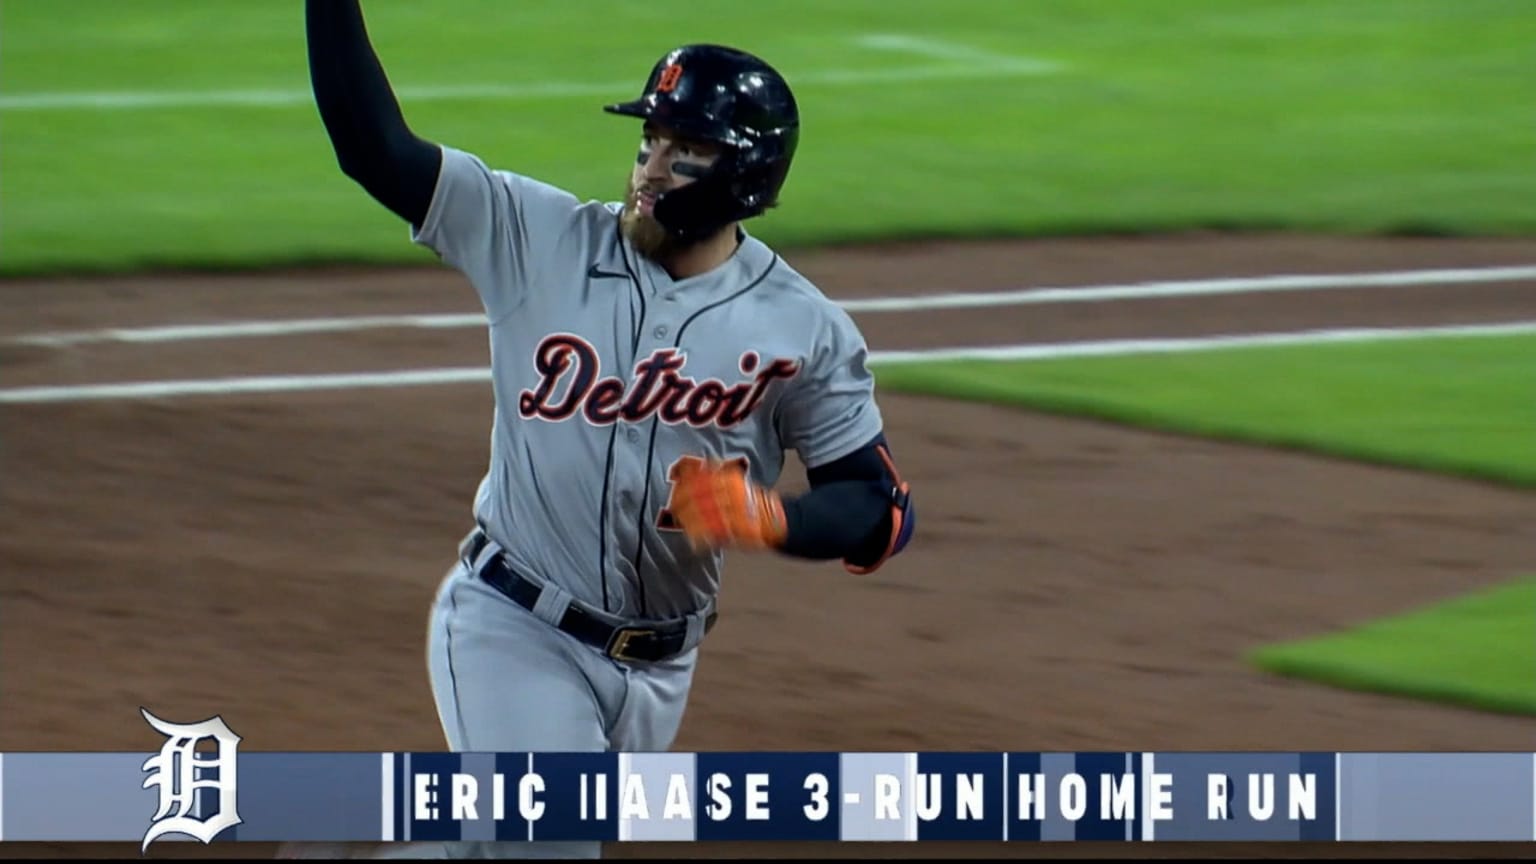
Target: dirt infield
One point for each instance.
(1072, 585)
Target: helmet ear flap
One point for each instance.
(759, 185)
(737, 187)
(697, 210)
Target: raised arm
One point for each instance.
(373, 144)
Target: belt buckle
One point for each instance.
(618, 643)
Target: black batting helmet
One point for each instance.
(737, 100)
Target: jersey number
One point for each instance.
(664, 520)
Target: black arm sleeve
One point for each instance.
(849, 518)
(374, 146)
(850, 511)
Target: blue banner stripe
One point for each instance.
(1026, 829)
(1133, 767)
(959, 796)
(583, 791)
(1325, 826)
(1109, 799)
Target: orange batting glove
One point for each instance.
(715, 504)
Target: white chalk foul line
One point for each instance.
(426, 377)
(246, 385)
(1190, 288)
(129, 100)
(251, 329)
(918, 303)
(1124, 347)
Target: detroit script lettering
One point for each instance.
(657, 387)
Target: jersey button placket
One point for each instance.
(660, 332)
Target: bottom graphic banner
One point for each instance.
(199, 786)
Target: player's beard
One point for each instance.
(643, 231)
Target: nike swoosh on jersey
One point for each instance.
(597, 272)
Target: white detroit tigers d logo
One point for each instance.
(182, 773)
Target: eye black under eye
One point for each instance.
(690, 169)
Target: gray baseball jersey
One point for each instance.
(607, 372)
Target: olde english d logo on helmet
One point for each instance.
(570, 382)
(669, 78)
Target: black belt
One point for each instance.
(651, 642)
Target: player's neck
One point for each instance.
(703, 256)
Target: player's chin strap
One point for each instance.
(903, 517)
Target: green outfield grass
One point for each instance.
(1323, 114)
(1461, 405)
(1477, 650)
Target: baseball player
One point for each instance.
(652, 364)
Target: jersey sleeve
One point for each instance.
(831, 411)
(493, 226)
